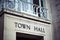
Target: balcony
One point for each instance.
(25, 7)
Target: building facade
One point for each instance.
(25, 20)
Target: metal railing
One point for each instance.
(26, 7)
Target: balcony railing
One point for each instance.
(26, 7)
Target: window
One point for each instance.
(9, 4)
(42, 3)
(16, 5)
(36, 2)
(32, 7)
(24, 5)
(40, 8)
(43, 9)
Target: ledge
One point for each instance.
(24, 15)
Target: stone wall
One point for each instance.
(58, 19)
(55, 11)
